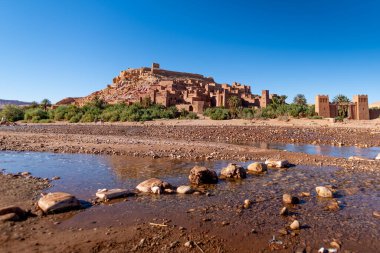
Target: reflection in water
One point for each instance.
(323, 149)
(82, 175)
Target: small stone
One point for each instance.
(189, 244)
(257, 167)
(225, 223)
(335, 244)
(333, 205)
(184, 189)
(277, 163)
(377, 157)
(283, 231)
(376, 214)
(324, 192)
(25, 173)
(305, 194)
(289, 199)
(55, 178)
(295, 225)
(247, 203)
(105, 194)
(284, 211)
(153, 185)
(300, 250)
(173, 244)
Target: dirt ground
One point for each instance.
(213, 223)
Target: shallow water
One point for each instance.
(82, 175)
(326, 150)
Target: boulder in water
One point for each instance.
(202, 175)
(153, 185)
(233, 171)
(257, 167)
(57, 201)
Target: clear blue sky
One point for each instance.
(57, 49)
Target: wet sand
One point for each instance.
(216, 222)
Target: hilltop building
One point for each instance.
(193, 92)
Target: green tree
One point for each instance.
(282, 99)
(342, 102)
(45, 103)
(234, 103)
(300, 99)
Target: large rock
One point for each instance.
(324, 192)
(233, 171)
(257, 167)
(57, 201)
(12, 213)
(153, 185)
(277, 163)
(202, 175)
(105, 194)
(184, 189)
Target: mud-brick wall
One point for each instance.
(374, 113)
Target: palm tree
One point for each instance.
(341, 99)
(282, 99)
(300, 99)
(234, 103)
(45, 103)
(342, 102)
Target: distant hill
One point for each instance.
(4, 102)
(376, 104)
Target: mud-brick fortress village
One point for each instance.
(195, 92)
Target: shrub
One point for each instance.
(45, 121)
(183, 114)
(12, 113)
(247, 113)
(35, 115)
(217, 113)
(76, 118)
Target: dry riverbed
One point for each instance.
(212, 222)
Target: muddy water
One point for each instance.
(220, 213)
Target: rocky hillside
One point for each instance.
(131, 84)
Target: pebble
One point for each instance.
(376, 214)
(300, 250)
(184, 189)
(289, 199)
(284, 211)
(324, 192)
(335, 245)
(189, 244)
(247, 203)
(295, 225)
(283, 231)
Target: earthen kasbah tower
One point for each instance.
(357, 109)
(193, 92)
